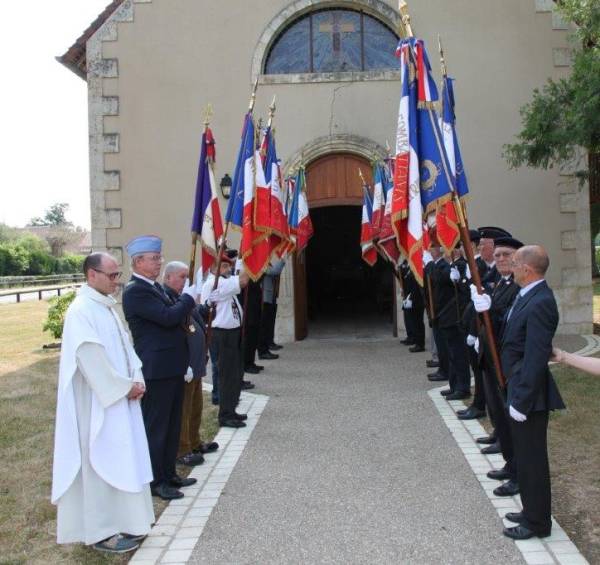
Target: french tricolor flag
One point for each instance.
(207, 220)
(378, 200)
(301, 227)
(369, 253)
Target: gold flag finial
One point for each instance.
(272, 109)
(442, 59)
(388, 148)
(405, 27)
(362, 178)
(208, 112)
(253, 96)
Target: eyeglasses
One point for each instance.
(154, 258)
(112, 276)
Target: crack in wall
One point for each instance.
(334, 94)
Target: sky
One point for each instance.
(44, 153)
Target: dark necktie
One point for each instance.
(161, 290)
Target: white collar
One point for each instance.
(527, 288)
(142, 277)
(96, 296)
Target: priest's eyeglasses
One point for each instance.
(112, 276)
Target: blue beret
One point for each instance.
(144, 244)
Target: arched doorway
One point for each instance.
(335, 291)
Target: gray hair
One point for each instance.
(173, 267)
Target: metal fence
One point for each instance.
(26, 282)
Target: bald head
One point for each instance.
(530, 264)
(94, 261)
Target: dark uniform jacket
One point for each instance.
(446, 309)
(411, 286)
(157, 327)
(525, 351)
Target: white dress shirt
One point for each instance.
(228, 310)
(527, 288)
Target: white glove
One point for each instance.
(190, 290)
(471, 339)
(482, 302)
(454, 275)
(189, 376)
(476, 345)
(427, 258)
(407, 303)
(516, 415)
(214, 296)
(468, 273)
(198, 275)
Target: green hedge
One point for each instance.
(22, 258)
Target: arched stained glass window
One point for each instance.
(331, 41)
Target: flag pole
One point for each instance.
(407, 31)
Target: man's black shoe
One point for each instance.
(491, 449)
(247, 385)
(241, 417)
(521, 533)
(471, 413)
(407, 341)
(486, 440)
(232, 424)
(509, 488)
(416, 348)
(252, 370)
(445, 392)
(191, 459)
(180, 482)
(166, 492)
(259, 367)
(431, 364)
(499, 474)
(117, 544)
(458, 395)
(207, 447)
(515, 517)
(437, 377)
(268, 355)
(214, 401)
(275, 346)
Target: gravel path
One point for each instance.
(351, 463)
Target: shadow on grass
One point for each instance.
(27, 518)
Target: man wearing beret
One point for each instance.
(159, 328)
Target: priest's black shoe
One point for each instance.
(437, 377)
(521, 533)
(499, 474)
(458, 395)
(166, 492)
(247, 385)
(407, 341)
(515, 517)
(416, 348)
(180, 482)
(268, 355)
(492, 449)
(241, 417)
(471, 413)
(509, 488)
(275, 346)
(191, 459)
(446, 392)
(232, 424)
(486, 440)
(431, 364)
(207, 447)
(252, 370)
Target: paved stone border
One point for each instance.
(557, 548)
(180, 526)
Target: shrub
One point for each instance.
(56, 314)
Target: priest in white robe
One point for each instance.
(102, 468)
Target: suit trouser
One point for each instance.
(496, 405)
(191, 417)
(415, 326)
(161, 409)
(458, 376)
(531, 449)
(267, 327)
(250, 340)
(229, 359)
(442, 351)
(479, 396)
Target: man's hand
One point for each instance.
(516, 415)
(190, 290)
(482, 302)
(454, 275)
(136, 391)
(244, 279)
(427, 258)
(407, 303)
(471, 339)
(189, 376)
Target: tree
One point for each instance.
(561, 124)
(56, 215)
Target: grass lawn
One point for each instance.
(28, 376)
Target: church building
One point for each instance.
(152, 66)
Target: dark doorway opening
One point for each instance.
(346, 297)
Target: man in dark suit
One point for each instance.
(158, 327)
(413, 309)
(526, 348)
